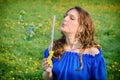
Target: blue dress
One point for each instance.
(94, 67)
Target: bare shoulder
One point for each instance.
(93, 51)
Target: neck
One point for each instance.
(72, 42)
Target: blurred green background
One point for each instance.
(25, 32)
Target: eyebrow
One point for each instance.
(71, 15)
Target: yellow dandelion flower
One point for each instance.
(98, 14)
(20, 59)
(26, 72)
(36, 70)
(4, 31)
(5, 25)
(43, 33)
(26, 62)
(11, 27)
(32, 23)
(115, 62)
(8, 64)
(110, 27)
(20, 71)
(35, 64)
(113, 66)
(13, 61)
(39, 16)
(30, 58)
(26, 48)
(114, 35)
(45, 41)
(39, 24)
(18, 22)
(16, 68)
(119, 70)
(11, 71)
(32, 68)
(12, 78)
(110, 68)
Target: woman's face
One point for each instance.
(70, 22)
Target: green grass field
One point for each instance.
(25, 28)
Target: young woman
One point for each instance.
(76, 54)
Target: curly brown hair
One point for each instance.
(85, 35)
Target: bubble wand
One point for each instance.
(51, 52)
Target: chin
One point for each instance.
(63, 29)
(64, 32)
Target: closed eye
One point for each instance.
(72, 17)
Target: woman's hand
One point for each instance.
(47, 69)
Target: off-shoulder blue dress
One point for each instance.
(94, 67)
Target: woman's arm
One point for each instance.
(47, 76)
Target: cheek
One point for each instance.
(70, 28)
(74, 27)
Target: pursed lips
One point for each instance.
(64, 24)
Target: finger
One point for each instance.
(49, 69)
(45, 62)
(44, 59)
(46, 66)
(46, 69)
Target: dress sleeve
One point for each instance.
(46, 53)
(98, 68)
